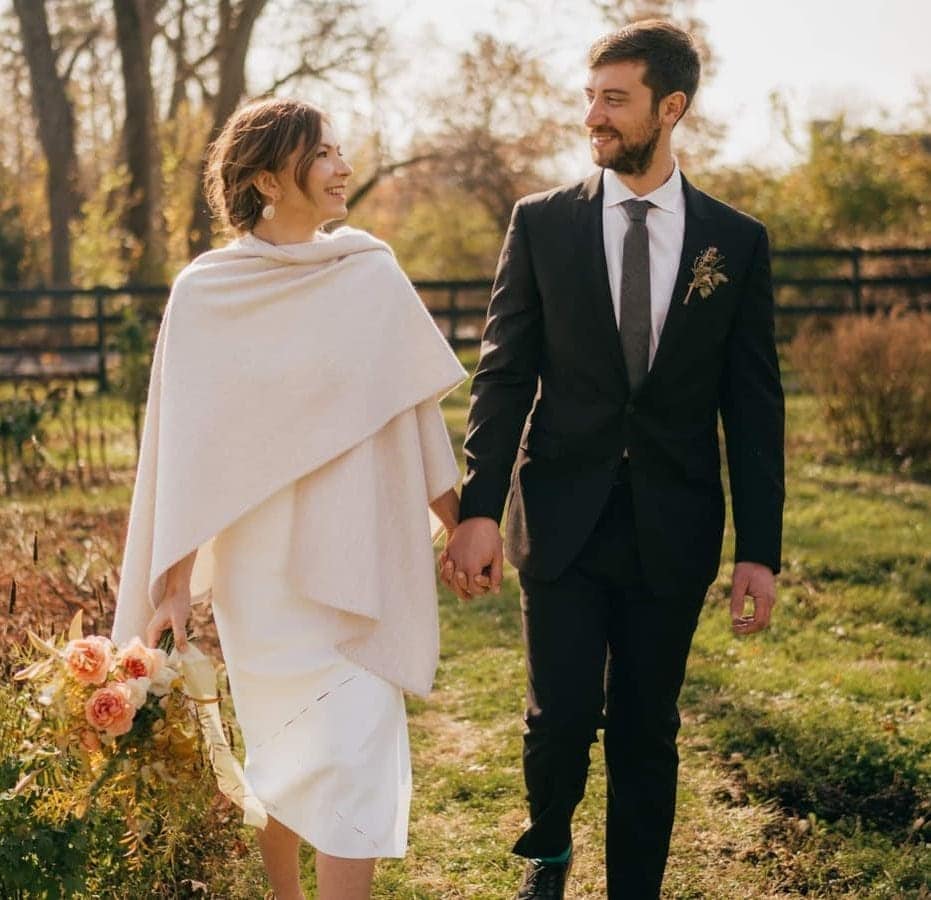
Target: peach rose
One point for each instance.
(89, 659)
(110, 709)
(138, 661)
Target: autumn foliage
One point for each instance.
(873, 377)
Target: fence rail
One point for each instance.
(62, 332)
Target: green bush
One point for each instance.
(22, 424)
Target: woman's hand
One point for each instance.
(446, 509)
(173, 612)
(175, 608)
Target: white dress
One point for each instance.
(326, 740)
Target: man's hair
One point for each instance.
(261, 135)
(669, 53)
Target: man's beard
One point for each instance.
(631, 158)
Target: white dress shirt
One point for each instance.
(666, 227)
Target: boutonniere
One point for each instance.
(707, 273)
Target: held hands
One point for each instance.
(757, 581)
(472, 562)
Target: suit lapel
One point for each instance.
(694, 242)
(589, 229)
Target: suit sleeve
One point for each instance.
(753, 413)
(505, 381)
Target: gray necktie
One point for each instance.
(635, 293)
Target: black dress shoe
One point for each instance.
(544, 881)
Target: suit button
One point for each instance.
(630, 409)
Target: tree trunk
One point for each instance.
(55, 120)
(179, 82)
(135, 28)
(232, 84)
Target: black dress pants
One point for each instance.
(602, 650)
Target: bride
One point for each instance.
(293, 444)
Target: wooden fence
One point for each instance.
(48, 333)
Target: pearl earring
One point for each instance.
(268, 211)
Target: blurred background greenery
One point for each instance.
(109, 107)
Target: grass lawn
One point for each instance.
(806, 750)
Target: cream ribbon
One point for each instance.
(200, 683)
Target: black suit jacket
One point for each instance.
(551, 348)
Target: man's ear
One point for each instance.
(672, 108)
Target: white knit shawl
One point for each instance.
(271, 363)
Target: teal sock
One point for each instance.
(557, 860)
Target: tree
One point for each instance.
(852, 186)
(506, 122)
(498, 136)
(237, 21)
(55, 122)
(135, 31)
(126, 96)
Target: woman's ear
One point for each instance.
(267, 185)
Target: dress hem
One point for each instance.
(318, 845)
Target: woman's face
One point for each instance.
(325, 187)
(323, 198)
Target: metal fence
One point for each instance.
(52, 333)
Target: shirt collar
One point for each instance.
(668, 196)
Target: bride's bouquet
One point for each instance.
(127, 727)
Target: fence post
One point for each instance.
(856, 254)
(103, 385)
(453, 318)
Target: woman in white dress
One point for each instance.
(292, 446)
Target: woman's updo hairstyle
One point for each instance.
(259, 136)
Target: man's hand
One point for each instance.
(757, 581)
(473, 559)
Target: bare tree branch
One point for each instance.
(306, 70)
(76, 53)
(383, 171)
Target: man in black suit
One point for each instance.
(628, 311)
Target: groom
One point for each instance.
(628, 311)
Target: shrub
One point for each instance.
(22, 424)
(873, 377)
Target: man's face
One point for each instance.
(623, 127)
